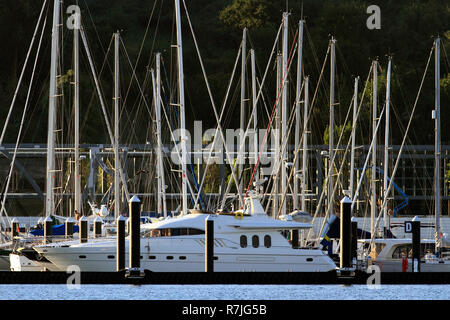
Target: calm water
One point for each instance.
(224, 292)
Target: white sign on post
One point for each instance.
(408, 226)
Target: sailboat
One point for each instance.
(389, 253)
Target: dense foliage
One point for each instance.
(407, 32)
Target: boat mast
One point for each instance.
(276, 137)
(116, 128)
(255, 114)
(284, 108)
(161, 180)
(305, 143)
(437, 145)
(352, 156)
(76, 58)
(241, 160)
(386, 148)
(181, 106)
(331, 131)
(51, 170)
(297, 112)
(374, 149)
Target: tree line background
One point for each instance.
(407, 33)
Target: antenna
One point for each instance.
(301, 12)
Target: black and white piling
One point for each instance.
(416, 244)
(14, 228)
(209, 244)
(48, 231)
(98, 227)
(120, 242)
(69, 227)
(345, 254)
(83, 229)
(354, 242)
(135, 237)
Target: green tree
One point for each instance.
(246, 13)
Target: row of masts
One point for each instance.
(281, 123)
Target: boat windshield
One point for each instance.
(172, 232)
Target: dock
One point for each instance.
(242, 278)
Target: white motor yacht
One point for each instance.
(250, 241)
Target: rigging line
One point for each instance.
(22, 73)
(273, 111)
(362, 175)
(96, 80)
(137, 81)
(383, 206)
(297, 152)
(257, 98)
(285, 144)
(5, 192)
(94, 90)
(319, 204)
(97, 34)
(176, 148)
(220, 119)
(111, 136)
(212, 101)
(139, 86)
(264, 100)
(283, 149)
(140, 51)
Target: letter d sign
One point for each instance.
(408, 226)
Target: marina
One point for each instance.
(278, 169)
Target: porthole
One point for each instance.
(255, 241)
(182, 257)
(267, 241)
(152, 257)
(82, 257)
(309, 259)
(169, 257)
(110, 257)
(243, 241)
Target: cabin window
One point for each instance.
(110, 257)
(243, 241)
(169, 257)
(172, 232)
(309, 259)
(182, 257)
(255, 241)
(82, 257)
(267, 241)
(152, 257)
(398, 252)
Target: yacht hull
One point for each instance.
(171, 259)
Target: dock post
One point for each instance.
(209, 244)
(48, 230)
(120, 250)
(69, 227)
(97, 227)
(354, 242)
(416, 244)
(135, 238)
(14, 228)
(345, 254)
(83, 229)
(294, 238)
